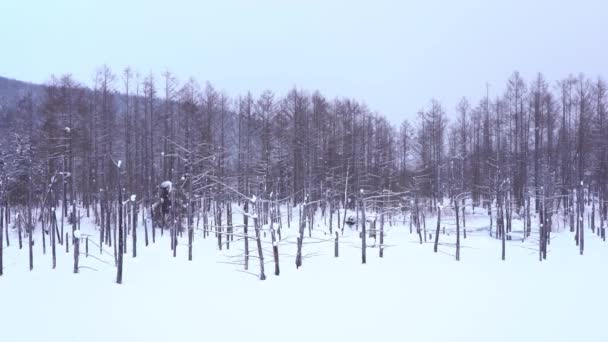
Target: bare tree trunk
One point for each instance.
(53, 235)
(18, 223)
(275, 252)
(457, 231)
(42, 230)
(76, 252)
(114, 232)
(101, 227)
(173, 225)
(229, 228)
(528, 228)
(336, 251)
(582, 227)
(464, 223)
(304, 208)
(134, 227)
(6, 210)
(259, 242)
(331, 212)
(1, 240)
(278, 214)
(424, 225)
(153, 226)
(381, 247)
(30, 225)
(245, 233)
(145, 222)
(437, 230)
(363, 242)
(30, 230)
(218, 224)
(502, 232)
(190, 204)
(120, 233)
(7, 220)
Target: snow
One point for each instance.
(167, 184)
(412, 294)
(77, 234)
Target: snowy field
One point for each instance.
(412, 294)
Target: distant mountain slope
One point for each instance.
(11, 90)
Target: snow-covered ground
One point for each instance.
(412, 294)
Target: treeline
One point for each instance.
(180, 154)
(535, 140)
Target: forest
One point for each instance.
(149, 155)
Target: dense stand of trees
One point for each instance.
(292, 146)
(539, 146)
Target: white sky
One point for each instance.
(393, 55)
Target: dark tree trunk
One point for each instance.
(363, 241)
(437, 230)
(457, 231)
(259, 243)
(134, 228)
(1, 240)
(120, 234)
(245, 233)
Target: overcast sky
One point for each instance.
(393, 55)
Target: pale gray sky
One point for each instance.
(393, 55)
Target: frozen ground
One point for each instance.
(411, 294)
